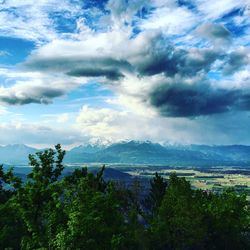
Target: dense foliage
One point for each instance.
(82, 211)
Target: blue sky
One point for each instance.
(171, 71)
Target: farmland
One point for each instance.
(210, 178)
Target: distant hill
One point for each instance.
(15, 154)
(112, 174)
(137, 152)
(230, 152)
(109, 173)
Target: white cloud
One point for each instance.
(170, 19)
(35, 87)
(108, 125)
(34, 133)
(61, 118)
(220, 8)
(26, 92)
(122, 10)
(31, 20)
(4, 53)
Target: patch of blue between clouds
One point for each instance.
(91, 89)
(233, 13)
(214, 75)
(93, 21)
(100, 4)
(92, 94)
(186, 3)
(66, 23)
(237, 30)
(17, 50)
(135, 31)
(63, 23)
(143, 13)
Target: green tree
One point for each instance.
(11, 226)
(178, 224)
(196, 219)
(9, 183)
(40, 196)
(227, 217)
(83, 211)
(157, 191)
(93, 217)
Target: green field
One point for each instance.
(214, 179)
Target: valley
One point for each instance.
(212, 178)
(206, 167)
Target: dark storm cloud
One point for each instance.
(214, 31)
(244, 103)
(183, 100)
(111, 74)
(178, 62)
(40, 95)
(197, 60)
(235, 61)
(13, 100)
(80, 66)
(164, 58)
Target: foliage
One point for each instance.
(156, 194)
(83, 211)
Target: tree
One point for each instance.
(9, 183)
(196, 219)
(178, 224)
(83, 211)
(11, 226)
(157, 191)
(93, 217)
(227, 219)
(40, 196)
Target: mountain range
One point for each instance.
(15, 154)
(137, 152)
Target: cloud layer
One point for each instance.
(183, 88)
(176, 62)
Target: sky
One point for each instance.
(90, 71)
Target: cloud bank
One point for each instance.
(167, 63)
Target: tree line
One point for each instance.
(83, 211)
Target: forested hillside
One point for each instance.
(83, 211)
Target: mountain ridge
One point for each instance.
(139, 152)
